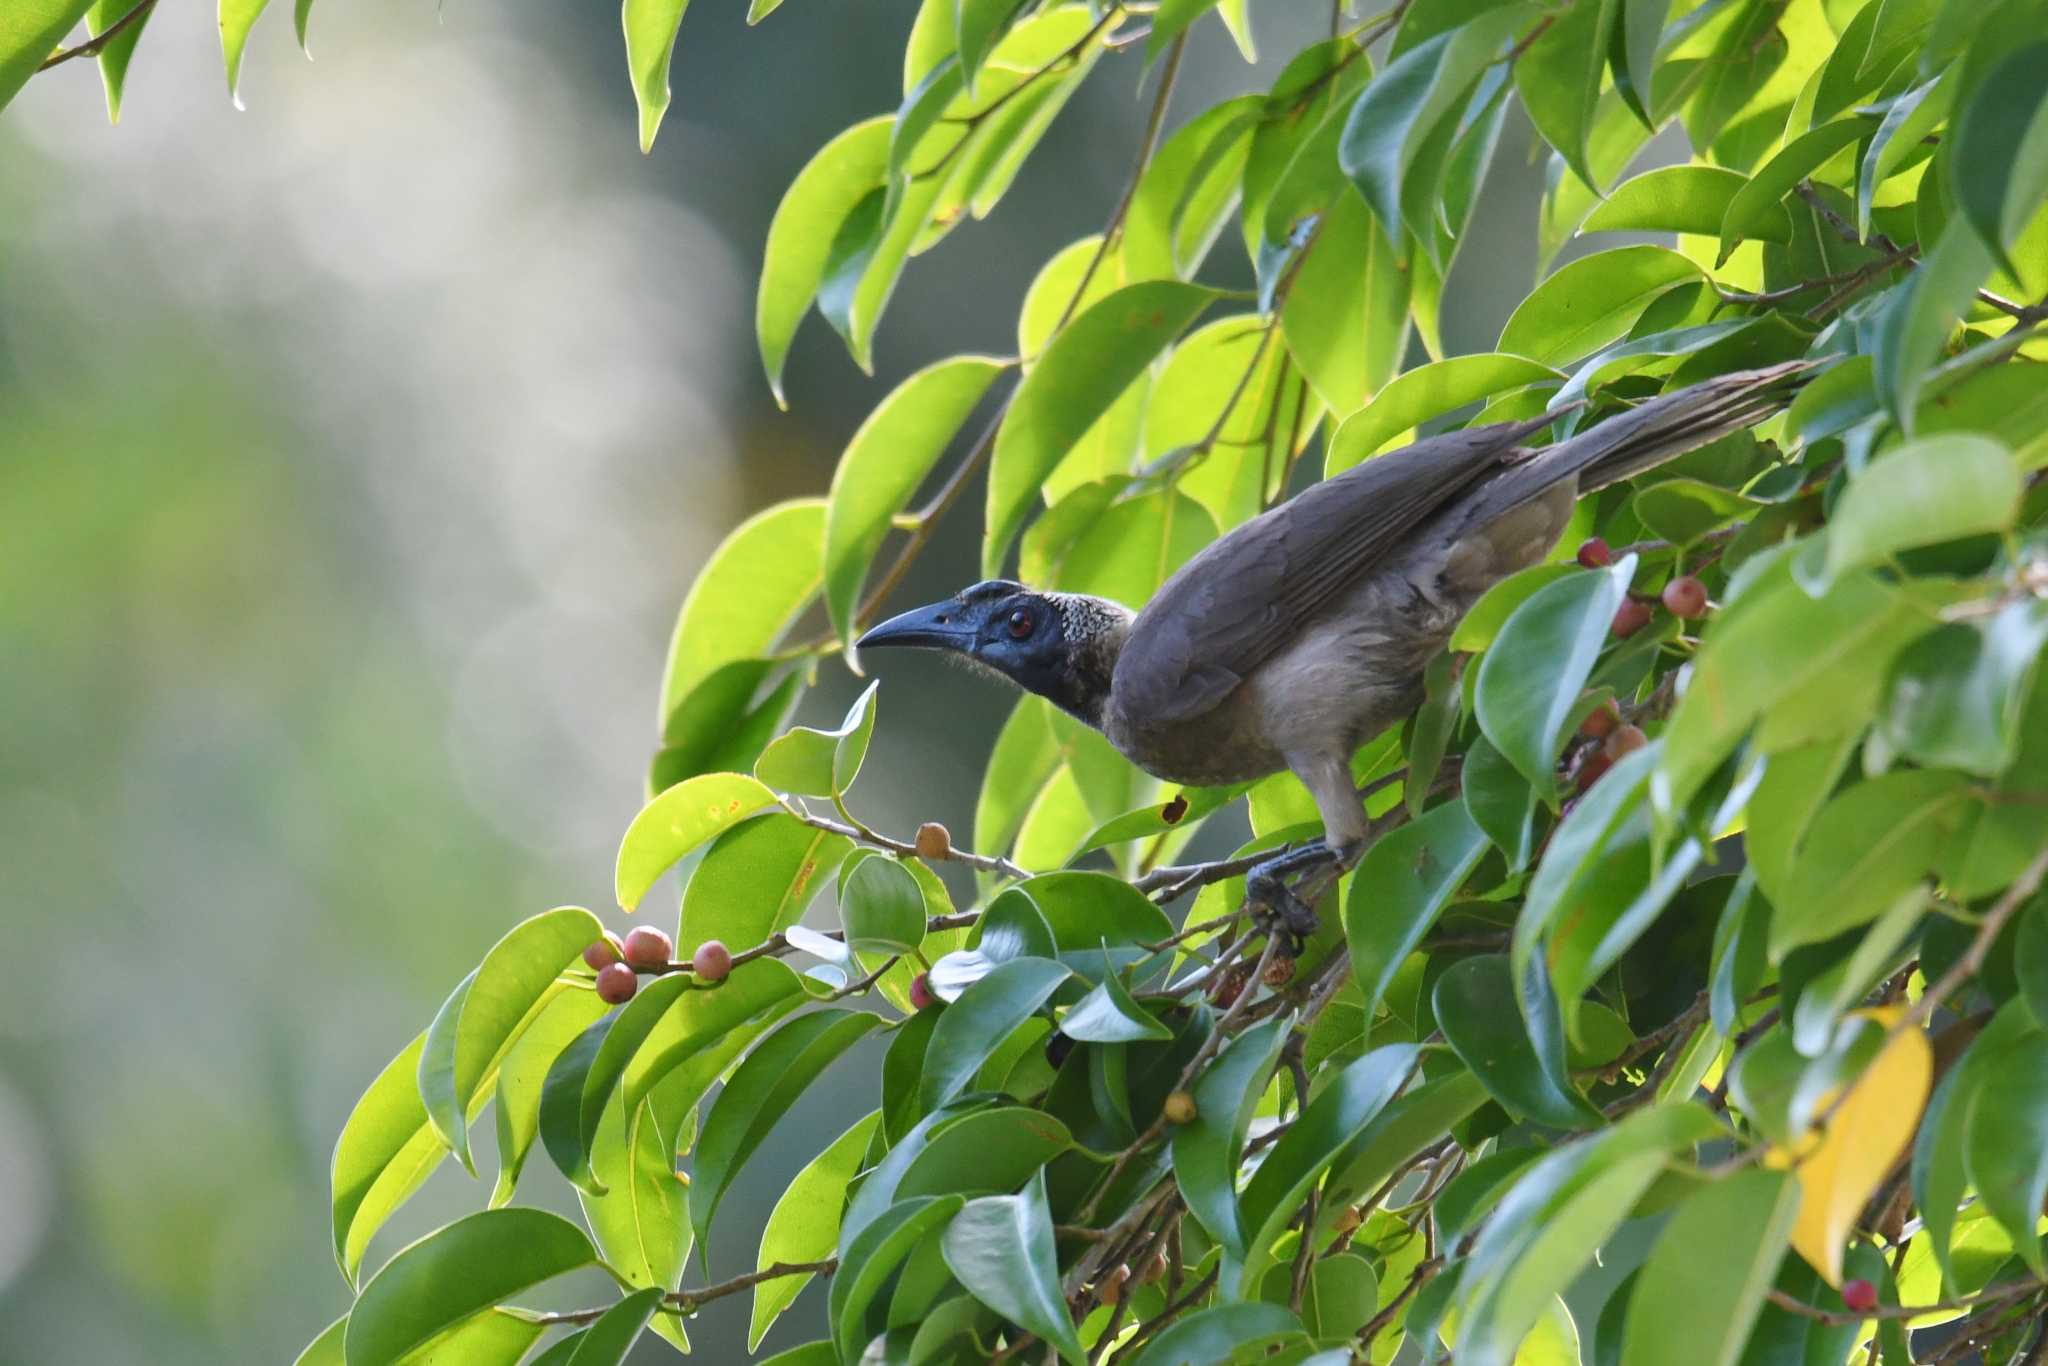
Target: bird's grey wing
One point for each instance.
(1242, 598)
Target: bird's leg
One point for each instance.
(1265, 886)
(1328, 779)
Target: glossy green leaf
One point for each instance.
(1691, 199)
(871, 1257)
(1558, 78)
(1400, 887)
(1475, 1008)
(1207, 1149)
(486, 1014)
(1920, 314)
(1956, 693)
(1086, 909)
(804, 1225)
(820, 763)
(386, 1151)
(237, 17)
(651, 27)
(1683, 510)
(973, 1026)
(719, 726)
(758, 1094)
(1481, 626)
(1756, 210)
(1344, 1106)
(1531, 676)
(756, 880)
(468, 1266)
(2007, 1149)
(1999, 160)
(29, 32)
(991, 1151)
(1084, 370)
(1186, 194)
(1940, 1151)
(1935, 489)
(699, 1021)
(890, 455)
(1865, 849)
(1423, 394)
(1001, 1248)
(1690, 1310)
(1592, 301)
(688, 815)
(882, 907)
(1215, 1334)
(823, 196)
(1913, 115)
(758, 580)
(524, 1071)
(1108, 1014)
(1500, 801)
(1346, 316)
(325, 1350)
(606, 1342)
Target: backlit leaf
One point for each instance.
(1591, 302)
(688, 815)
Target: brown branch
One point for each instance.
(1843, 1317)
(689, 1301)
(99, 40)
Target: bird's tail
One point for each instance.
(1667, 427)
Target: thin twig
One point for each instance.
(1842, 1317)
(99, 40)
(689, 1301)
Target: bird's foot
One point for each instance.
(1277, 906)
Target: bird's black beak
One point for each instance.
(937, 627)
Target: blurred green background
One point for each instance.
(355, 454)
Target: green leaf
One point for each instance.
(1690, 1310)
(29, 32)
(1918, 316)
(487, 1013)
(804, 1225)
(1683, 510)
(1400, 887)
(386, 1151)
(1592, 301)
(1170, 21)
(1423, 394)
(1691, 199)
(1080, 375)
(1999, 161)
(1956, 693)
(1406, 107)
(1500, 802)
(1215, 1334)
(1107, 1014)
(770, 1080)
(1344, 1106)
(1531, 676)
(1026, 756)
(1938, 488)
(651, 27)
(871, 1257)
(1430, 734)
(896, 447)
(1757, 210)
(1475, 1008)
(1114, 541)
(718, 727)
(756, 880)
(1912, 116)
(882, 908)
(237, 17)
(987, 1152)
(115, 56)
(973, 1026)
(1207, 1149)
(1481, 625)
(1085, 909)
(606, 1342)
(1346, 315)
(820, 763)
(523, 1073)
(1865, 849)
(1001, 1248)
(1558, 77)
(1940, 1151)
(758, 580)
(2007, 1150)
(818, 202)
(468, 1266)
(1187, 192)
(979, 23)
(700, 1021)
(688, 815)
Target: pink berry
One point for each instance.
(1594, 554)
(647, 948)
(602, 953)
(1631, 617)
(921, 997)
(1860, 1296)
(616, 984)
(1686, 596)
(712, 961)
(1625, 740)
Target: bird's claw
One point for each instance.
(1279, 907)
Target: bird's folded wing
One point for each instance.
(1240, 600)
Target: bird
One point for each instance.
(1306, 631)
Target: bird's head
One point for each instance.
(1062, 646)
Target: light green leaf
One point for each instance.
(1691, 199)
(760, 1091)
(1757, 209)
(237, 17)
(29, 32)
(756, 880)
(691, 813)
(114, 57)
(1687, 1310)
(1531, 676)
(466, 1267)
(386, 1151)
(1558, 77)
(1424, 394)
(1084, 370)
(1592, 301)
(817, 204)
(1400, 887)
(1481, 626)
(757, 581)
(1001, 1248)
(975, 1025)
(524, 1071)
(1215, 1334)
(820, 763)
(651, 27)
(804, 1225)
(1999, 162)
(1346, 315)
(1923, 492)
(1187, 192)
(606, 1342)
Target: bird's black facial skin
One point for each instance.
(1002, 626)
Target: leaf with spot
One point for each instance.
(755, 881)
(680, 820)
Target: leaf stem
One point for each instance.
(99, 40)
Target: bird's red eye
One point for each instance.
(1020, 624)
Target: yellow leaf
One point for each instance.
(1839, 1169)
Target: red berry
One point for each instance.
(1626, 740)
(1686, 596)
(1860, 1296)
(616, 984)
(1594, 554)
(603, 952)
(1600, 721)
(1631, 617)
(712, 961)
(1593, 763)
(921, 993)
(648, 948)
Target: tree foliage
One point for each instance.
(1719, 920)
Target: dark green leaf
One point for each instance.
(1214, 1335)
(1956, 692)
(2007, 1149)
(976, 1024)
(1107, 1014)
(1913, 330)
(1939, 1171)
(1431, 732)
(1481, 626)
(606, 1342)
(1001, 1248)
(1206, 1150)
(1693, 1310)
(1999, 164)
(882, 907)
(1475, 1008)
(989, 1151)
(868, 1260)
(1867, 848)
(1501, 802)
(1558, 77)
(1401, 885)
